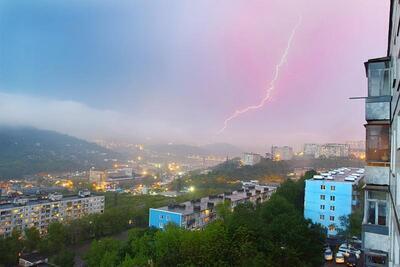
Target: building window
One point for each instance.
(322, 187)
(332, 208)
(322, 217)
(161, 217)
(161, 225)
(333, 198)
(167, 217)
(322, 207)
(378, 144)
(332, 227)
(322, 197)
(377, 208)
(333, 188)
(332, 218)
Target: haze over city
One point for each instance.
(173, 71)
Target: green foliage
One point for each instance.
(64, 258)
(10, 247)
(270, 234)
(104, 252)
(32, 239)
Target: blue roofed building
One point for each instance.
(330, 195)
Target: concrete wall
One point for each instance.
(377, 175)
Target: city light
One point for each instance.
(191, 189)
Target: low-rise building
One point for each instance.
(21, 213)
(330, 195)
(196, 214)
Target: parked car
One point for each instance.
(351, 260)
(346, 249)
(328, 254)
(339, 258)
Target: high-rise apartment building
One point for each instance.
(381, 225)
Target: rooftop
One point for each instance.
(348, 175)
(39, 200)
(204, 203)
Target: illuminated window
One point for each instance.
(378, 144)
(331, 228)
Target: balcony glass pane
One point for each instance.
(378, 145)
(378, 81)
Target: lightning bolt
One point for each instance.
(271, 87)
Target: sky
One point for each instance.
(173, 71)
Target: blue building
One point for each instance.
(330, 195)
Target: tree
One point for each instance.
(64, 258)
(32, 239)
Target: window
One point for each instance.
(333, 188)
(332, 208)
(161, 225)
(322, 187)
(321, 217)
(332, 227)
(376, 204)
(161, 217)
(322, 207)
(333, 198)
(322, 197)
(167, 217)
(378, 146)
(331, 218)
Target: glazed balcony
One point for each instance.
(378, 144)
(377, 104)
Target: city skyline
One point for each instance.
(172, 72)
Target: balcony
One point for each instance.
(378, 144)
(377, 104)
(375, 237)
(376, 175)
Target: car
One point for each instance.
(346, 249)
(339, 258)
(351, 260)
(328, 254)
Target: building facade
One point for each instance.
(251, 159)
(24, 213)
(282, 153)
(333, 151)
(310, 150)
(196, 214)
(328, 196)
(380, 229)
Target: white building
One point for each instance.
(333, 151)
(251, 159)
(311, 150)
(97, 176)
(36, 212)
(282, 153)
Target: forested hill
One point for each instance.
(25, 150)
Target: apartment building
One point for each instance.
(196, 214)
(21, 213)
(282, 153)
(380, 229)
(251, 159)
(330, 195)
